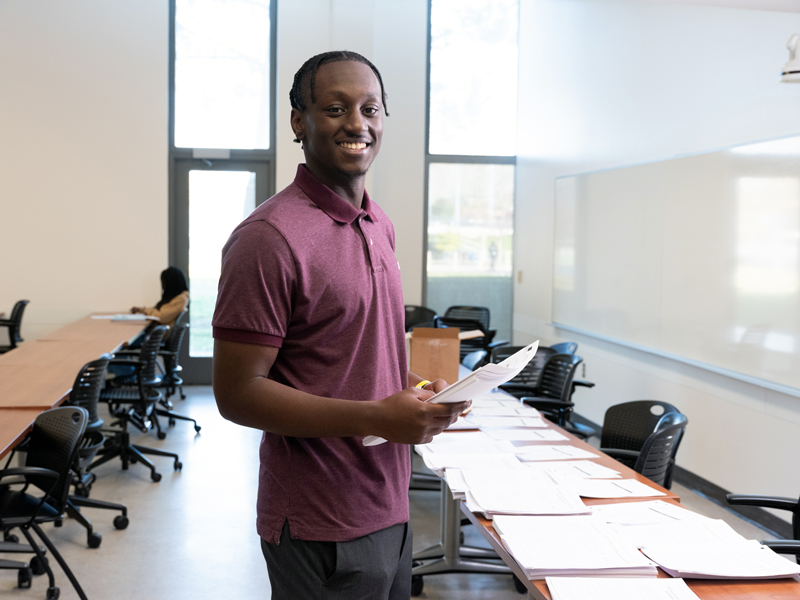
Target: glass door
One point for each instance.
(212, 197)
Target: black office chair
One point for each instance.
(14, 324)
(781, 503)
(565, 347)
(418, 316)
(132, 400)
(552, 387)
(86, 394)
(50, 453)
(644, 435)
(172, 381)
(483, 343)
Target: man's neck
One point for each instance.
(350, 189)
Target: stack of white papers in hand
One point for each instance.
(560, 452)
(578, 546)
(708, 549)
(581, 588)
(524, 492)
(583, 469)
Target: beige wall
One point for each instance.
(605, 84)
(83, 156)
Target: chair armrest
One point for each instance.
(27, 471)
(582, 383)
(783, 546)
(497, 344)
(619, 453)
(550, 403)
(781, 503)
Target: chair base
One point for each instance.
(132, 453)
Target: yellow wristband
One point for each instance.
(422, 384)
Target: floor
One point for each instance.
(192, 535)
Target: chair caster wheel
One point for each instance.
(172, 422)
(197, 428)
(83, 492)
(161, 435)
(39, 567)
(178, 465)
(53, 593)
(155, 476)
(416, 585)
(120, 522)
(24, 578)
(10, 537)
(94, 539)
(520, 587)
(58, 523)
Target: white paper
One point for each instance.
(558, 452)
(476, 383)
(527, 492)
(643, 513)
(504, 422)
(582, 469)
(519, 410)
(545, 546)
(607, 588)
(439, 462)
(619, 488)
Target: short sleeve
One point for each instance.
(256, 286)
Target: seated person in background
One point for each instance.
(174, 298)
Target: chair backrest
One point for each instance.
(657, 455)
(15, 318)
(179, 319)
(53, 445)
(555, 380)
(418, 315)
(470, 345)
(149, 352)
(627, 426)
(172, 345)
(530, 373)
(480, 314)
(565, 347)
(87, 387)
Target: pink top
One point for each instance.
(312, 275)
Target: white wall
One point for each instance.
(607, 83)
(83, 156)
(393, 35)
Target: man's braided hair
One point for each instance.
(306, 76)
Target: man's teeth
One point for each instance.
(352, 146)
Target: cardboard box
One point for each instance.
(434, 353)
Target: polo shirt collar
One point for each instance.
(336, 207)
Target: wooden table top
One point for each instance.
(14, 424)
(706, 589)
(39, 375)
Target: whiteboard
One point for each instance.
(696, 258)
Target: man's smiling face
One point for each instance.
(342, 129)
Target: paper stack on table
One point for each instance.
(575, 546)
(561, 452)
(527, 492)
(583, 469)
(708, 549)
(596, 588)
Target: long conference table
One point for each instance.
(705, 589)
(37, 376)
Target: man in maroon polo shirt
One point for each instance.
(310, 348)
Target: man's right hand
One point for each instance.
(408, 418)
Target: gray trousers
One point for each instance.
(373, 567)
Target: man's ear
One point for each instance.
(298, 124)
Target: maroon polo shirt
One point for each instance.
(312, 275)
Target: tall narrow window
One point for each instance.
(222, 155)
(471, 156)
